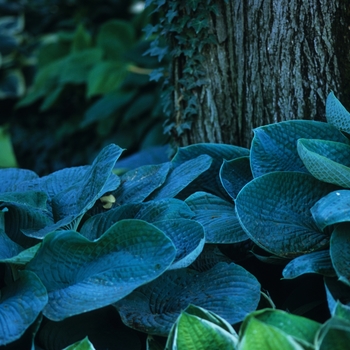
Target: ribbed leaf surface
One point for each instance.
(332, 209)
(81, 275)
(336, 114)
(235, 174)
(274, 146)
(218, 218)
(165, 209)
(327, 161)
(340, 251)
(181, 176)
(227, 290)
(210, 180)
(20, 304)
(274, 210)
(317, 262)
(137, 184)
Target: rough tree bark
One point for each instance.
(274, 60)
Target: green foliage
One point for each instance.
(182, 33)
(93, 240)
(183, 251)
(87, 84)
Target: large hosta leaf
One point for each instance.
(188, 238)
(12, 176)
(20, 304)
(332, 209)
(26, 211)
(334, 334)
(210, 180)
(197, 328)
(317, 262)
(181, 176)
(274, 210)
(336, 113)
(98, 180)
(299, 328)
(8, 248)
(261, 336)
(234, 174)
(340, 251)
(274, 146)
(164, 209)
(218, 218)
(227, 290)
(327, 161)
(81, 275)
(137, 184)
(87, 186)
(336, 291)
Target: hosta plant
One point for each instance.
(83, 243)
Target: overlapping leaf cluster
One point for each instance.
(82, 239)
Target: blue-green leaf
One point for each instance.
(274, 211)
(81, 275)
(274, 146)
(20, 304)
(188, 238)
(235, 174)
(26, 213)
(340, 251)
(332, 209)
(8, 248)
(164, 209)
(336, 114)
(98, 180)
(317, 262)
(336, 291)
(218, 218)
(181, 176)
(227, 290)
(137, 184)
(210, 180)
(327, 161)
(12, 176)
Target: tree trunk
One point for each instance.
(272, 60)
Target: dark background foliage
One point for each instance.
(49, 120)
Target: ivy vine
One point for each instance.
(182, 32)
